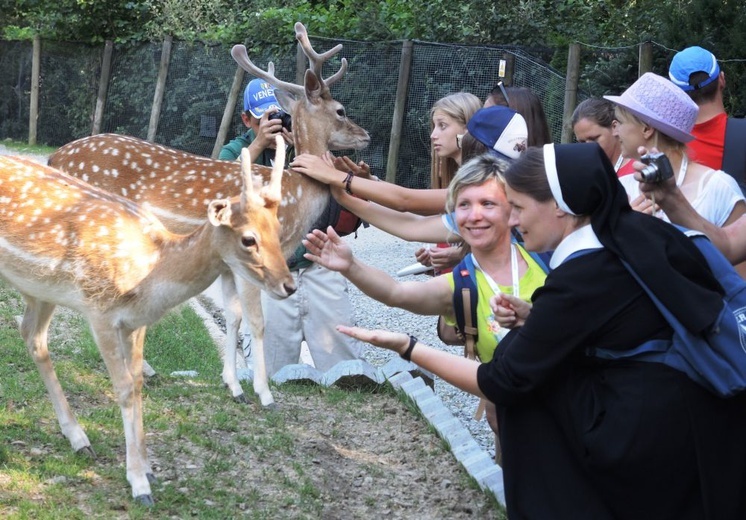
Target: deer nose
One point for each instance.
(289, 288)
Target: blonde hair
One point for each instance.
(663, 142)
(459, 106)
(475, 172)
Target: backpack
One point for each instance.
(715, 360)
(734, 151)
(342, 220)
(465, 298)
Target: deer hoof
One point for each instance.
(87, 451)
(145, 500)
(241, 398)
(272, 407)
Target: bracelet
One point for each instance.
(348, 183)
(407, 355)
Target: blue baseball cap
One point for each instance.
(691, 60)
(500, 129)
(259, 97)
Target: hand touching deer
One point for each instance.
(64, 242)
(176, 185)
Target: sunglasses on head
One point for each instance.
(502, 91)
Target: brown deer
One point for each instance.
(176, 185)
(64, 242)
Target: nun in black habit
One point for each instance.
(582, 437)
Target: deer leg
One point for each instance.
(232, 311)
(251, 303)
(34, 329)
(122, 351)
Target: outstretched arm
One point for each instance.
(431, 297)
(422, 202)
(405, 225)
(459, 371)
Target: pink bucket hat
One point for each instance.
(660, 104)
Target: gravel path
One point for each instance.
(389, 253)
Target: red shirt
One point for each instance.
(709, 142)
(625, 169)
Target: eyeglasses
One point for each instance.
(502, 91)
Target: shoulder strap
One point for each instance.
(734, 150)
(465, 303)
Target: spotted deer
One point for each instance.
(176, 185)
(64, 242)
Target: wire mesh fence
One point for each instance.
(200, 77)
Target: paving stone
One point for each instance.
(396, 365)
(430, 407)
(353, 373)
(483, 464)
(411, 386)
(397, 380)
(298, 372)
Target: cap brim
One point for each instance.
(259, 111)
(648, 117)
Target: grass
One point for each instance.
(214, 458)
(21, 147)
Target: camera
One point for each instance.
(284, 117)
(658, 167)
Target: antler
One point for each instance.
(316, 60)
(242, 58)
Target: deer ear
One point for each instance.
(286, 100)
(314, 87)
(219, 212)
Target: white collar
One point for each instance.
(581, 238)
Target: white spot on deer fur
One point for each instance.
(189, 191)
(81, 166)
(115, 173)
(114, 152)
(84, 177)
(95, 168)
(103, 231)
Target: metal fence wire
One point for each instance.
(200, 77)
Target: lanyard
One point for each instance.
(682, 171)
(618, 163)
(514, 271)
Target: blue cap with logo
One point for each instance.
(500, 129)
(259, 97)
(691, 60)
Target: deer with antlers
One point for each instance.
(175, 185)
(64, 242)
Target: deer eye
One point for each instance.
(341, 112)
(248, 242)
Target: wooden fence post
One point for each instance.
(230, 107)
(645, 63)
(160, 88)
(397, 122)
(34, 101)
(571, 91)
(507, 77)
(103, 87)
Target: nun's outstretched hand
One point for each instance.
(328, 250)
